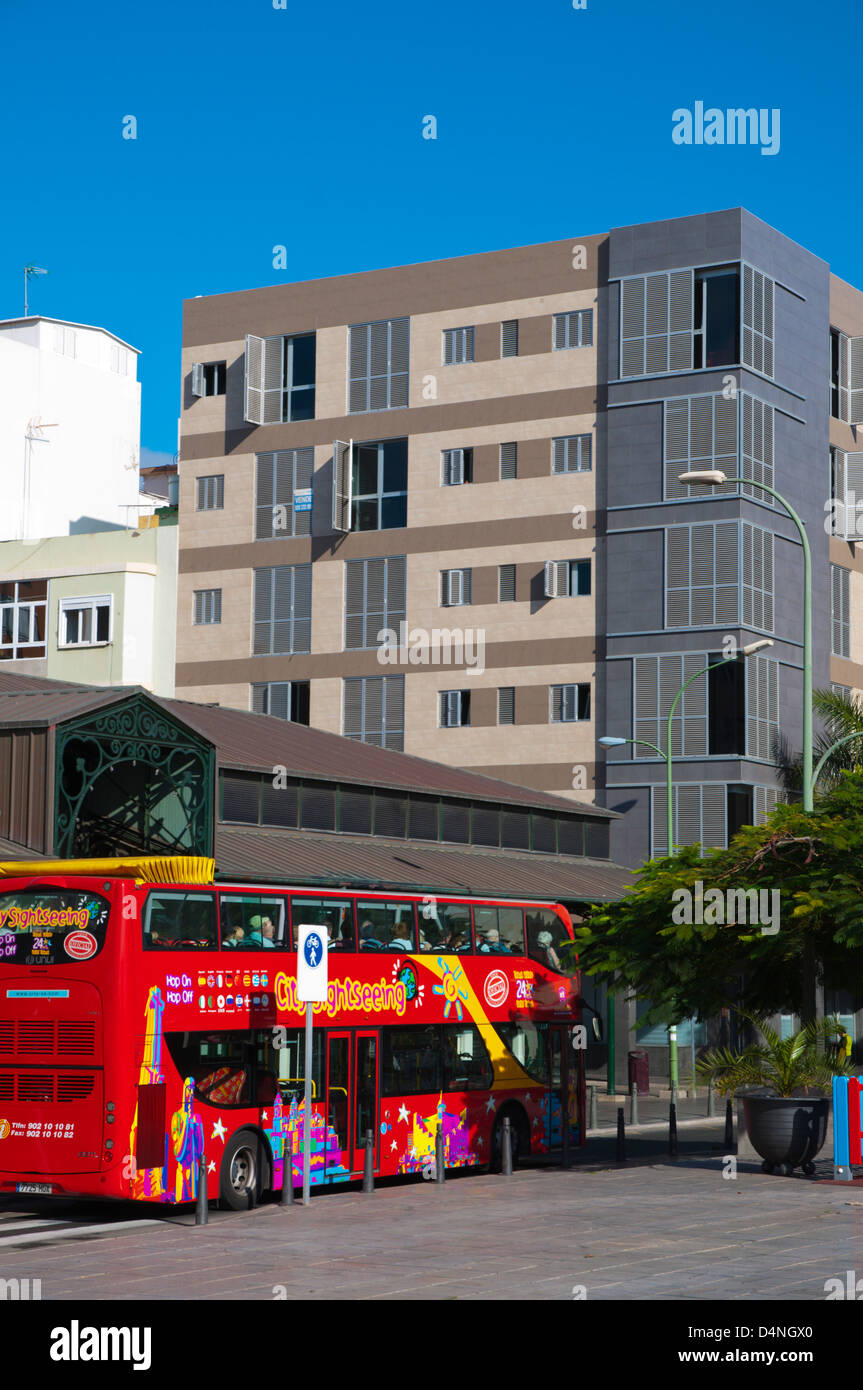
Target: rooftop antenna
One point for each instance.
(29, 272)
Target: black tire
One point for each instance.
(809, 1168)
(519, 1138)
(244, 1170)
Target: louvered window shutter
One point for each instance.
(299, 476)
(506, 584)
(395, 610)
(342, 471)
(453, 467)
(444, 588)
(352, 712)
(844, 406)
(632, 295)
(253, 409)
(646, 691)
(713, 816)
(688, 815)
(274, 357)
(399, 361)
(558, 456)
(559, 332)
(262, 640)
(302, 614)
(853, 495)
(506, 704)
(354, 604)
(585, 448)
(508, 461)
(570, 711)
(264, 498)
(456, 586)
(676, 445)
(677, 606)
(855, 381)
(358, 367)
(197, 378)
(563, 581)
(509, 338)
(585, 328)
(373, 711)
(727, 590)
(394, 712)
(757, 318)
(375, 601)
(379, 349)
(557, 703)
(550, 586)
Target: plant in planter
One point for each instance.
(787, 1121)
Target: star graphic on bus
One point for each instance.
(403, 1112)
(489, 1105)
(450, 989)
(211, 1166)
(219, 1130)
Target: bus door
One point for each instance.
(339, 1094)
(560, 1080)
(366, 1117)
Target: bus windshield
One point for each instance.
(51, 925)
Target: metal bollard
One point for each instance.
(633, 1104)
(593, 1122)
(369, 1162)
(621, 1136)
(711, 1102)
(673, 1147)
(729, 1124)
(202, 1209)
(287, 1197)
(506, 1148)
(440, 1171)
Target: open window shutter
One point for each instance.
(453, 708)
(197, 378)
(844, 411)
(557, 703)
(855, 381)
(342, 471)
(569, 698)
(852, 494)
(455, 467)
(559, 331)
(550, 587)
(564, 569)
(558, 456)
(456, 587)
(253, 408)
(273, 380)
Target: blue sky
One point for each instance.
(303, 127)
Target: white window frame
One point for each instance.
(579, 445)
(458, 346)
(455, 588)
(569, 699)
(20, 649)
(454, 467)
(213, 605)
(452, 702)
(210, 483)
(90, 604)
(572, 323)
(559, 576)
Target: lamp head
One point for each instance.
(752, 647)
(609, 742)
(705, 477)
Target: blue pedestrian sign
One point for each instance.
(312, 978)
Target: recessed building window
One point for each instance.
(208, 607)
(23, 605)
(567, 578)
(454, 588)
(573, 330)
(379, 485)
(570, 703)
(85, 622)
(716, 314)
(456, 467)
(457, 346)
(282, 700)
(209, 378)
(454, 709)
(211, 493)
(571, 454)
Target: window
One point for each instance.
(374, 600)
(570, 703)
(716, 339)
(508, 461)
(379, 485)
(454, 588)
(656, 681)
(700, 816)
(280, 379)
(457, 346)
(571, 454)
(838, 374)
(846, 494)
(208, 607)
(253, 922)
(757, 577)
(528, 1043)
(444, 927)
(282, 610)
(211, 493)
(86, 622)
(241, 797)
(762, 707)
(283, 493)
(573, 330)
(374, 711)
(545, 936)
(456, 467)
(238, 1068)
(466, 1063)
(209, 378)
(506, 583)
(506, 704)
(174, 921)
(283, 700)
(499, 931)
(386, 926)
(411, 1061)
(378, 365)
(700, 433)
(757, 324)
(567, 579)
(509, 338)
(701, 575)
(355, 811)
(840, 610)
(335, 914)
(454, 709)
(22, 618)
(656, 323)
(726, 704)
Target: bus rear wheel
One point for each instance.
(243, 1174)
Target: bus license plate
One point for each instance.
(34, 1187)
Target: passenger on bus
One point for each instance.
(235, 937)
(262, 932)
(368, 936)
(399, 942)
(544, 941)
(492, 943)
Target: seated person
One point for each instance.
(262, 932)
(399, 941)
(544, 941)
(235, 937)
(492, 942)
(368, 936)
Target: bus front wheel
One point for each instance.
(243, 1174)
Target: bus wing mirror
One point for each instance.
(596, 1023)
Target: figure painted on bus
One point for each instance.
(262, 932)
(187, 1137)
(544, 941)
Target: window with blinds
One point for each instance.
(280, 379)
(208, 607)
(573, 329)
(454, 709)
(374, 711)
(279, 476)
(766, 799)
(506, 704)
(840, 610)
(757, 577)
(571, 454)
(282, 700)
(509, 338)
(656, 682)
(282, 610)
(699, 816)
(506, 583)
(378, 355)
(701, 575)
(700, 433)
(455, 588)
(210, 493)
(756, 446)
(757, 320)
(846, 494)
(456, 467)
(569, 703)
(457, 346)
(656, 323)
(762, 707)
(566, 578)
(374, 599)
(508, 461)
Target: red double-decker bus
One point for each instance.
(149, 1016)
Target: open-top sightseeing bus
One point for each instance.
(149, 1015)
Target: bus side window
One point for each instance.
(180, 921)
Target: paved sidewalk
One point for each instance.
(666, 1231)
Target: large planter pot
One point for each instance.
(787, 1133)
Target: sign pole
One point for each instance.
(307, 1150)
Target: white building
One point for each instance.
(70, 415)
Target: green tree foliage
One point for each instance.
(781, 1065)
(691, 968)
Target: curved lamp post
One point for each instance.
(849, 738)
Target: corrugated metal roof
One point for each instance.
(37, 708)
(9, 850)
(291, 857)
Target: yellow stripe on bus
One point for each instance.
(179, 868)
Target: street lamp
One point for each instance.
(610, 741)
(29, 272)
(849, 738)
(714, 477)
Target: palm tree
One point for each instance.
(841, 715)
(781, 1065)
